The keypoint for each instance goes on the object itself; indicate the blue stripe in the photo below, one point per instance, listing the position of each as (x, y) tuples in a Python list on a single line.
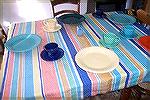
[(129, 64), (117, 79), (128, 74), (6, 68), (69, 70), (135, 53), (40, 74), (141, 27), (20, 29), (29, 87), (15, 76), (146, 52), (83, 75), (28, 28)]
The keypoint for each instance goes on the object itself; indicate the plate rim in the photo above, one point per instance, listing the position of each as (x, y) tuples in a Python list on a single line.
[(83, 66), (19, 51)]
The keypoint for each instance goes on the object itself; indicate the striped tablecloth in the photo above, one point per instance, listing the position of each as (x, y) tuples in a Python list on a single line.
[(27, 76)]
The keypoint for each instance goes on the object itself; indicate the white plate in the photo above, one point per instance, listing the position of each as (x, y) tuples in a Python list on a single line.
[(58, 27), (97, 59)]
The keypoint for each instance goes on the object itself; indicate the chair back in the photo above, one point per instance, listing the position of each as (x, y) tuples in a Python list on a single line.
[(67, 9)]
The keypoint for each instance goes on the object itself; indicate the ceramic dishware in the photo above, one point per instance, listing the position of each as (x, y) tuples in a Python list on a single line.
[(110, 38), (51, 48), (128, 30), (51, 25)]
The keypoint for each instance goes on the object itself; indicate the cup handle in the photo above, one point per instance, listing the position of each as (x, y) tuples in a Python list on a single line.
[(45, 23)]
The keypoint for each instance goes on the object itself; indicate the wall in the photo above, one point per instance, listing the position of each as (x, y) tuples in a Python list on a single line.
[(29, 10)]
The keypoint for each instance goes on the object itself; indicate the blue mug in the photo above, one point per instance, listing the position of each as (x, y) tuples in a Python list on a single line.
[(128, 30), (51, 48)]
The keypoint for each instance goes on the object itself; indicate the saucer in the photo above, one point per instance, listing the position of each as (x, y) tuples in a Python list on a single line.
[(58, 55), (98, 16), (108, 45), (134, 35), (58, 27)]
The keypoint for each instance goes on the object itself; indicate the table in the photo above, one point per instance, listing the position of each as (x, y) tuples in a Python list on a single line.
[(26, 75)]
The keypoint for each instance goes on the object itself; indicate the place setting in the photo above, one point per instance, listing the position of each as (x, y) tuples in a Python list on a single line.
[(109, 40), (52, 52), (51, 25), (123, 19), (145, 42), (128, 32), (97, 59), (99, 13)]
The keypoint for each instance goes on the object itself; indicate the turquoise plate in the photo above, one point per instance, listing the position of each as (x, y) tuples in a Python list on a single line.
[(71, 18), (23, 42), (108, 45), (123, 19)]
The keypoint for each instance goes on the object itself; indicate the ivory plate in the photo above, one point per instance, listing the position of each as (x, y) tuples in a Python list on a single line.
[(97, 59)]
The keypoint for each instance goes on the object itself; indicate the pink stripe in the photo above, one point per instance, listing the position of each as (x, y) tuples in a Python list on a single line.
[(9, 74), (50, 83), (10, 70), (16, 29)]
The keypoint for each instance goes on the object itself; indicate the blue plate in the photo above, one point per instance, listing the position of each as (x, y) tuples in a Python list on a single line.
[(123, 19), (98, 16), (71, 18), (122, 35), (46, 57), (108, 45), (23, 42)]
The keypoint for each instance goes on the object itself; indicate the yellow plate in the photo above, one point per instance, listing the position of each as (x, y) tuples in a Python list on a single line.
[(97, 59)]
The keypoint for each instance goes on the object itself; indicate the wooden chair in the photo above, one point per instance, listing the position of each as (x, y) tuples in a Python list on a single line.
[(56, 3), (3, 38), (143, 16)]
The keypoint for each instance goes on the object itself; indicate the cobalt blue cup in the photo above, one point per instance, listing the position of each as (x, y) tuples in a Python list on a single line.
[(99, 12), (51, 48)]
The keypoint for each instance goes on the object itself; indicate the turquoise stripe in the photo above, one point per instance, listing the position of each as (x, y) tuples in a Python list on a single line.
[(29, 85), (70, 66), (136, 53), (117, 78), (16, 63), (90, 38), (130, 66), (20, 29), (67, 69), (15, 76), (28, 28)]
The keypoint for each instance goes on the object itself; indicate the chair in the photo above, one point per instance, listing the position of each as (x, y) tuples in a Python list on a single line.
[(143, 16), (56, 3), (3, 38)]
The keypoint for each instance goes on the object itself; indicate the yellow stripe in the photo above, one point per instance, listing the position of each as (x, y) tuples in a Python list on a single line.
[(36, 73), (91, 33), (106, 82), (98, 24)]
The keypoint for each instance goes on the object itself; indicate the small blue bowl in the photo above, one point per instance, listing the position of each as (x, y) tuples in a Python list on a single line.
[(51, 48)]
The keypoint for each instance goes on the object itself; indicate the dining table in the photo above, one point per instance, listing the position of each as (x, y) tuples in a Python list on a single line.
[(25, 75)]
